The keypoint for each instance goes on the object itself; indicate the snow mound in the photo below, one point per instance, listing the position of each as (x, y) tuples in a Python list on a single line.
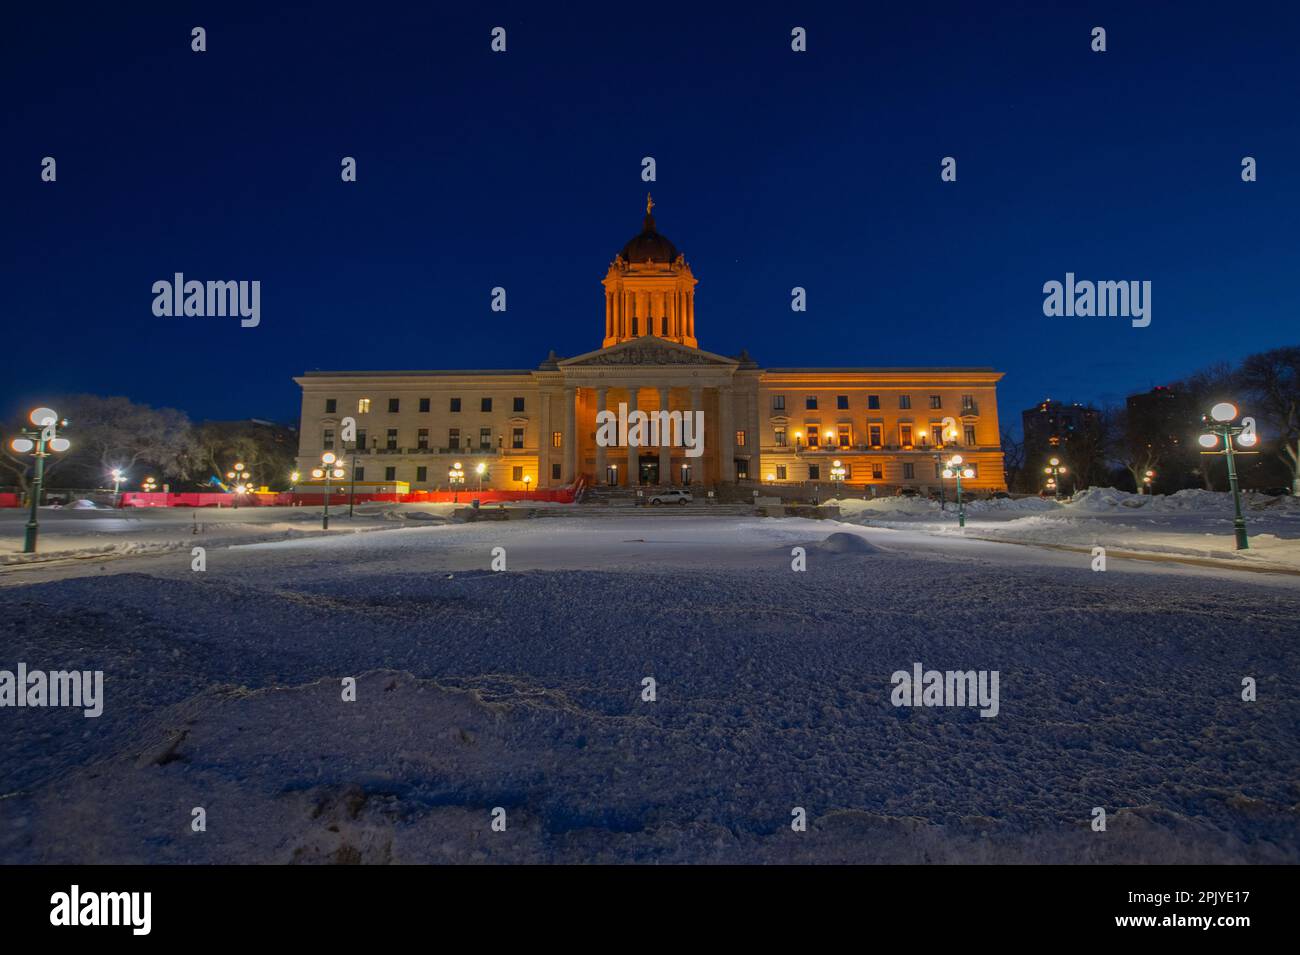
[(842, 542), (1189, 500), (883, 506), (1024, 505)]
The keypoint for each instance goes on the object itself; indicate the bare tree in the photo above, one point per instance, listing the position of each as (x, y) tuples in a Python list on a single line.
[(1270, 381), (1013, 460), (108, 433), (1135, 441)]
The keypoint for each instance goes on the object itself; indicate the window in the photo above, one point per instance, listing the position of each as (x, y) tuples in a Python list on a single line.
[(780, 472), (394, 405), (422, 439), (421, 474), (909, 470), (967, 404), (905, 435), (780, 437), (812, 436), (873, 402), (742, 469), (555, 472), (361, 439), (390, 474), (873, 435), (814, 472), (455, 405), (936, 433), (392, 439), (904, 401), (935, 402), (424, 404), (519, 404), (810, 403), (485, 404), (842, 402), (740, 439), (331, 405), (844, 436), (453, 438), (517, 438), (485, 437), (877, 472), (848, 472), (778, 402), (516, 474), (363, 405), (359, 474), (970, 434), (557, 439), (327, 440)]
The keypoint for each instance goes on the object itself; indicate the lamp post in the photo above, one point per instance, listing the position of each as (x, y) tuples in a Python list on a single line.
[(455, 477), (479, 469), (243, 476), (1146, 481), (329, 469), (528, 480), (837, 475), (148, 485), (39, 444), (117, 477), (956, 469), (1220, 427), (1055, 469), (352, 481)]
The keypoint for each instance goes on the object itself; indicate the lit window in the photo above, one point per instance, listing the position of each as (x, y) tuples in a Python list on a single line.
[(905, 435), (363, 405), (557, 439), (780, 437), (740, 439)]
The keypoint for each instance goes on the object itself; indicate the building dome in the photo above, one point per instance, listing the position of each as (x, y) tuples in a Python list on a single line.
[(649, 246)]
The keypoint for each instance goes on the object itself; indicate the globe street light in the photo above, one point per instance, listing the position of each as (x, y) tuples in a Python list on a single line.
[(528, 480), (1220, 428), (148, 485), (118, 477), (1055, 469), (479, 469), (837, 475), (1147, 479), (956, 469), (244, 477), (329, 469), (39, 444)]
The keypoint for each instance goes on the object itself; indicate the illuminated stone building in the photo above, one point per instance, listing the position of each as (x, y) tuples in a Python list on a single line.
[(885, 428)]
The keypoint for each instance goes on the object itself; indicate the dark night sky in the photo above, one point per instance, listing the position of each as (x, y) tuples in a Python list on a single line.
[(523, 170)]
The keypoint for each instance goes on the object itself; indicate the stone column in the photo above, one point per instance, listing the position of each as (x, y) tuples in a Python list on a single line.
[(633, 454), (543, 438), (600, 448), (697, 464), (665, 442), (609, 313), (570, 434), (727, 435)]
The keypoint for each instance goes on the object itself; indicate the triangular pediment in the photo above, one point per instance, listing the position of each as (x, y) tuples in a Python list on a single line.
[(648, 350)]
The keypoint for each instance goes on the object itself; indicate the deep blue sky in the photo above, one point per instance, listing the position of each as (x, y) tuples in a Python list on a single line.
[(522, 170)]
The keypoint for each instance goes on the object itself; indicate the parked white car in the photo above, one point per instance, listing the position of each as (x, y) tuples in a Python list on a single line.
[(671, 497)]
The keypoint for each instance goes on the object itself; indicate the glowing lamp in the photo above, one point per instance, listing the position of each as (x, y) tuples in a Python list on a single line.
[(1223, 411), (22, 445), (43, 417), (1209, 440)]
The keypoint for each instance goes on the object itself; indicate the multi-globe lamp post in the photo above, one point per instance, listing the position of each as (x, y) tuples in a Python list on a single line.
[(837, 475), (1220, 432), (243, 476), (1054, 470), (480, 469), (955, 468), (1147, 478), (39, 444), (328, 470), (148, 485)]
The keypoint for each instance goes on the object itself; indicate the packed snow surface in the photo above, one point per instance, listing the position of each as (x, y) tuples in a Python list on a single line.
[(525, 689)]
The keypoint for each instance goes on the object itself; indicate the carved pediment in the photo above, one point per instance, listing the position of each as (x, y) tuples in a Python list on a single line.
[(648, 351)]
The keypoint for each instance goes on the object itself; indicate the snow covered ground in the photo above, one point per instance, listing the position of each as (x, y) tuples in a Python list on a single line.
[(1193, 523), (522, 689)]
